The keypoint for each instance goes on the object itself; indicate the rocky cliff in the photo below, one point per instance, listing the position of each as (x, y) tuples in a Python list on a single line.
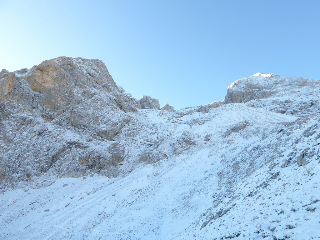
[(63, 118)]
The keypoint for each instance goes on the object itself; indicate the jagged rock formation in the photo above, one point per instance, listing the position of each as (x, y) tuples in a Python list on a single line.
[(59, 117), (243, 168), (147, 102), (206, 108), (167, 107)]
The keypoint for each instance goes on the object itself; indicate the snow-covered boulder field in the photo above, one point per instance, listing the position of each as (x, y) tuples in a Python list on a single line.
[(82, 159)]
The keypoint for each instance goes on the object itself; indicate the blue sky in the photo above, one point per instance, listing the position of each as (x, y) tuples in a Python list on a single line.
[(185, 53)]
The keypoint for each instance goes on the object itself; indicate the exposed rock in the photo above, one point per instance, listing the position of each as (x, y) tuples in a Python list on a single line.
[(306, 154), (151, 157), (238, 127), (246, 89), (184, 143), (207, 138), (117, 152), (7, 83), (261, 86), (167, 107), (94, 161), (147, 102), (65, 81), (3, 71), (59, 100), (206, 108)]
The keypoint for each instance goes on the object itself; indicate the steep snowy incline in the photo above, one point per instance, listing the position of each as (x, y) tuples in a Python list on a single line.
[(82, 159), (237, 183)]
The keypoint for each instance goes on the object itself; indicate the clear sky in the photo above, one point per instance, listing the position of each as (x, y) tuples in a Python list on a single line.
[(185, 53)]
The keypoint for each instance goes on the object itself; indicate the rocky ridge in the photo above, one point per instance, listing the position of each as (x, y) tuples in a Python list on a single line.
[(63, 117)]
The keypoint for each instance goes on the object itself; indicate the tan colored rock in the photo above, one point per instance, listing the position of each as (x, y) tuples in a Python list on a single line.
[(167, 107), (45, 75), (7, 84), (65, 82), (206, 108)]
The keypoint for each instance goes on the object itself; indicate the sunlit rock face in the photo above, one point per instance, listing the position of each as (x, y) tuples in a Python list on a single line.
[(275, 93), (58, 117), (167, 107), (67, 117), (260, 86)]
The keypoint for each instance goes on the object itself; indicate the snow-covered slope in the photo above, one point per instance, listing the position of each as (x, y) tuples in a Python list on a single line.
[(246, 169)]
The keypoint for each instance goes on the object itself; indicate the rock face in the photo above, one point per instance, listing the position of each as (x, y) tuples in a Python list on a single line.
[(167, 107), (206, 108), (67, 117), (185, 142), (147, 102), (267, 90), (250, 88), (58, 117), (261, 86), (7, 83)]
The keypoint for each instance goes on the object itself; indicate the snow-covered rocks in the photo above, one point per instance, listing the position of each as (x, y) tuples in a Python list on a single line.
[(185, 142), (147, 102), (247, 89), (245, 168), (263, 86), (167, 107), (80, 112), (266, 75), (206, 108)]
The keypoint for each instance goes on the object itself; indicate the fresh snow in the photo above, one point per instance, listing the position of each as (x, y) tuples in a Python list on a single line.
[(251, 172)]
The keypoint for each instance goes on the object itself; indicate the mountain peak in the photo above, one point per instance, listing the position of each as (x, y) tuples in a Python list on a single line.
[(266, 75)]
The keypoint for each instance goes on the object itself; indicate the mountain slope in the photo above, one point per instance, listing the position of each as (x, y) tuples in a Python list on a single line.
[(248, 168)]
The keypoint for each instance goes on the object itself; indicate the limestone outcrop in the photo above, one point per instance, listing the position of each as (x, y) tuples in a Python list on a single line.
[(262, 86), (167, 107), (61, 117), (206, 108), (147, 102)]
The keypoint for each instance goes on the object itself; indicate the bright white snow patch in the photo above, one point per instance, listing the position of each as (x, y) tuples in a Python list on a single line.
[(266, 75)]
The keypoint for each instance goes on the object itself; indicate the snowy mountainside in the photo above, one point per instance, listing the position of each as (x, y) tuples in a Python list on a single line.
[(243, 168)]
